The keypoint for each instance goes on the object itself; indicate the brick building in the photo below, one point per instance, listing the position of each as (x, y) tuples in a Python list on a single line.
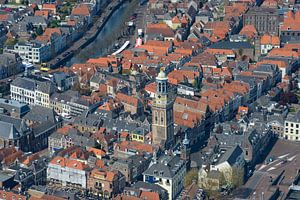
[(263, 19), (106, 183)]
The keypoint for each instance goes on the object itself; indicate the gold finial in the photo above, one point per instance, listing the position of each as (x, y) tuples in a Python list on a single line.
[(162, 69)]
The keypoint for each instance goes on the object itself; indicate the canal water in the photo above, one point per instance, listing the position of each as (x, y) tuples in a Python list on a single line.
[(106, 38)]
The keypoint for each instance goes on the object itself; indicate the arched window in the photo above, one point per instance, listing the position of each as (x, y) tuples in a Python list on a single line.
[(159, 87), (162, 117)]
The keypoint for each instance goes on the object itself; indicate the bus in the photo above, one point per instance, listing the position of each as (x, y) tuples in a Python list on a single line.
[(45, 69)]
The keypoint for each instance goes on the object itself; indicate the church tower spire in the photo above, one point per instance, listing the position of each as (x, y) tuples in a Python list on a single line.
[(186, 150), (162, 113)]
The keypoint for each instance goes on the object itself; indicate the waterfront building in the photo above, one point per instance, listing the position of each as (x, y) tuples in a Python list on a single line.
[(33, 52)]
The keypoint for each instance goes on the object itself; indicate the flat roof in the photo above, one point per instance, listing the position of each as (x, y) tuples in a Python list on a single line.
[(5, 176), (13, 103)]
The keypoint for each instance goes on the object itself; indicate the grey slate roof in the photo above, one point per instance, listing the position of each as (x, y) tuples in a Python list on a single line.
[(22, 173), (12, 128), (96, 78), (34, 83), (45, 87), (19, 124), (231, 45), (25, 83), (7, 59), (124, 123), (149, 186), (231, 155), (43, 127), (294, 117), (247, 79), (132, 161), (35, 20), (166, 167), (90, 120), (37, 2), (5, 176), (65, 96), (9, 105), (77, 138), (230, 140), (264, 9), (8, 131), (40, 114)]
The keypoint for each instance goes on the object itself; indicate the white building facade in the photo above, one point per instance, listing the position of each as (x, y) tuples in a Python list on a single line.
[(169, 173), (33, 52), (292, 127)]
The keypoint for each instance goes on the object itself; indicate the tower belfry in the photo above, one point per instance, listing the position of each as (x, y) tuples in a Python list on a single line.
[(162, 113)]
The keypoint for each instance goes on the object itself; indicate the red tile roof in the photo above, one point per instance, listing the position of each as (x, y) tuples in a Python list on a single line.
[(243, 110), (47, 6), (291, 21), (176, 20), (81, 10), (249, 30), (97, 152), (270, 39), (178, 76), (151, 87), (3, 17), (149, 195), (134, 145), (162, 28), (43, 13), (70, 163), (104, 174), (131, 100), (187, 118)]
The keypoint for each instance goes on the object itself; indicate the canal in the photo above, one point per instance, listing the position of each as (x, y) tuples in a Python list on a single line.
[(107, 37)]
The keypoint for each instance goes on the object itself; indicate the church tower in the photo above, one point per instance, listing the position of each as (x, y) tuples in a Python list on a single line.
[(162, 113), (186, 151)]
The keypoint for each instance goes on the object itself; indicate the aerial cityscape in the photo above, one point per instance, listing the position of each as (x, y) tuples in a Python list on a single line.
[(150, 99)]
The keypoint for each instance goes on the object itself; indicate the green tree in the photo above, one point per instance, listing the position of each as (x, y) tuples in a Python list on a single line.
[(76, 86), (190, 176), (39, 30), (237, 176), (241, 52), (65, 9), (98, 145), (54, 24), (197, 82), (33, 35), (35, 8), (11, 42), (222, 179)]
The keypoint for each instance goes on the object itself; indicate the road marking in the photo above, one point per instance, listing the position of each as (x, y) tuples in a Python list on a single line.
[(271, 168), (263, 166), (292, 158), (283, 156)]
